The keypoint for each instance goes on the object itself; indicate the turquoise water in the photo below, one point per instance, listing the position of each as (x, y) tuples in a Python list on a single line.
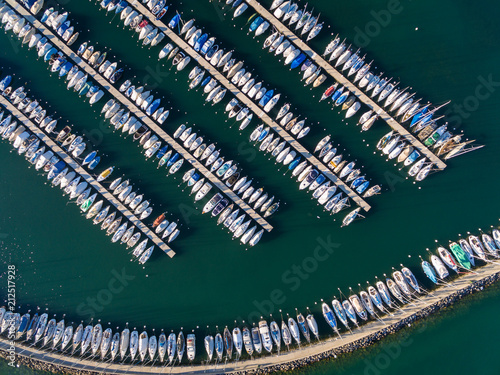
[(64, 262)]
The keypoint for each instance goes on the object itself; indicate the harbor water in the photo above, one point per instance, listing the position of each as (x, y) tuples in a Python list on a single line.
[(445, 51)]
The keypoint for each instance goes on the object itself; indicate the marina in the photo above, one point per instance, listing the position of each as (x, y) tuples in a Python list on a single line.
[(260, 113), (142, 117), (90, 179)]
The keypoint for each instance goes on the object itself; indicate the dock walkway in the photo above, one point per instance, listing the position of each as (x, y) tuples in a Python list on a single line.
[(335, 74), (181, 43), (140, 115), (90, 180)]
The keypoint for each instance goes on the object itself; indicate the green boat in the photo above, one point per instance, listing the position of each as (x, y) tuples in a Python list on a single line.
[(85, 88), (88, 203), (460, 255)]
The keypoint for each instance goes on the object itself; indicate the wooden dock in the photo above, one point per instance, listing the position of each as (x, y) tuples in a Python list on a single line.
[(90, 180), (335, 74), (141, 116), (181, 43)]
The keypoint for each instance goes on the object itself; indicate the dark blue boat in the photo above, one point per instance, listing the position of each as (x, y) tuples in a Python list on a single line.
[(123, 4), (153, 107), (94, 163), (62, 29), (298, 60), (337, 93), (361, 188), (173, 159), (415, 118), (267, 96), (65, 69), (161, 152), (256, 23), (174, 21), (201, 40)]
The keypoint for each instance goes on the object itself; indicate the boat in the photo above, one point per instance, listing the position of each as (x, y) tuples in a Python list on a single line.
[(460, 255), (477, 246), (266, 336), (438, 265), (256, 340), (447, 258), (429, 271)]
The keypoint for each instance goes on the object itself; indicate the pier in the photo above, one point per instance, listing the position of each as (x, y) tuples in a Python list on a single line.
[(335, 74), (140, 115), (90, 180), (259, 112), (361, 337)]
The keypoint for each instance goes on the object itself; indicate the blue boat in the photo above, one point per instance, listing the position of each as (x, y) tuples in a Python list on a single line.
[(337, 93), (5, 82), (342, 98), (123, 4), (256, 23), (236, 3), (161, 13), (105, 3), (415, 118), (130, 90), (298, 60), (361, 188), (65, 68), (194, 178), (429, 271), (62, 29), (173, 159), (358, 181), (329, 317), (263, 135), (306, 65), (46, 15), (294, 163), (49, 53), (199, 43), (85, 89), (358, 65), (94, 163), (413, 156), (268, 95), (56, 169), (153, 107), (206, 80), (320, 179), (91, 156), (92, 91), (60, 64), (161, 152), (174, 21)]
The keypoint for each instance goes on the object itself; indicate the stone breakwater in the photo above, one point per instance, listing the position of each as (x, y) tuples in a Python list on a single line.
[(364, 342), (379, 335)]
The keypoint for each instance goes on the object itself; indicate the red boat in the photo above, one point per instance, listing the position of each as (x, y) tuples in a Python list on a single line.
[(329, 91)]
